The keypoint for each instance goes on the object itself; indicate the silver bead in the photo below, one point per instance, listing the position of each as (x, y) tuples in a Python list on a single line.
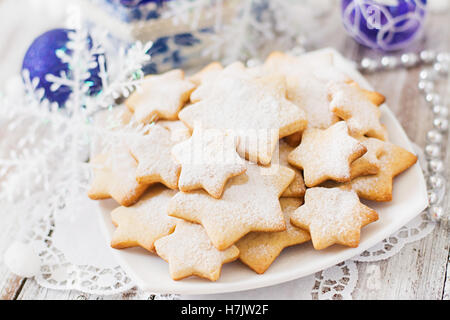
[(409, 59), (434, 136), (427, 74), (432, 197), (440, 111), (389, 62), (441, 68), (436, 181), (433, 98), (433, 150), (436, 213), (440, 124), (436, 165), (368, 64), (425, 86), (443, 57), (427, 56)]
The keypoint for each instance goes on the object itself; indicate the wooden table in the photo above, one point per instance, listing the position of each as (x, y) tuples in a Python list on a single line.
[(420, 271)]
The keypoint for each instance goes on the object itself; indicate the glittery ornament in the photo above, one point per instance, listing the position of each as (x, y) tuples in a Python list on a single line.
[(385, 25), (41, 59)]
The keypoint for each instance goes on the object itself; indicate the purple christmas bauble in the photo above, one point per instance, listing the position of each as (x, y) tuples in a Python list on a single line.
[(385, 25), (40, 60)]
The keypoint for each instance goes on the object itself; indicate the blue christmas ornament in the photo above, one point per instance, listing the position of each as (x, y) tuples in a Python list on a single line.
[(40, 60), (384, 24)]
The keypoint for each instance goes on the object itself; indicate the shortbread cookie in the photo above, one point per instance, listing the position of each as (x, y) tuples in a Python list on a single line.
[(375, 97), (211, 74), (393, 161), (370, 162), (294, 139), (208, 159), (144, 222), (255, 109), (154, 157), (297, 187), (326, 154), (362, 116), (161, 96), (206, 73), (189, 252), (259, 250), (305, 87), (115, 177), (333, 215), (249, 203), (178, 130)]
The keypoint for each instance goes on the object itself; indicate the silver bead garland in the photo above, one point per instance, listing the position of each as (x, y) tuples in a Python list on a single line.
[(436, 66)]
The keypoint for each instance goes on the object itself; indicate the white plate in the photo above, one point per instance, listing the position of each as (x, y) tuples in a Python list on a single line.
[(409, 199)]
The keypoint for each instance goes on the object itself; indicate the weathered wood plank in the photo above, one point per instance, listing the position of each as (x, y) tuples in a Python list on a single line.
[(33, 291)]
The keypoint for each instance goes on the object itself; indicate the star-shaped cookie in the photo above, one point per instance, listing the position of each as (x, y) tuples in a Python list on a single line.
[(254, 108), (297, 188), (370, 162), (307, 77), (259, 250), (249, 203), (161, 96), (206, 73), (326, 154), (208, 159), (144, 222), (349, 103), (378, 187), (115, 177), (375, 97), (333, 215), (155, 161), (206, 78), (178, 130), (189, 251)]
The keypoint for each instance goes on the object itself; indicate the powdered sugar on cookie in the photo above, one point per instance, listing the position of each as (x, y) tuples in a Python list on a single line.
[(208, 159), (333, 215), (326, 154), (144, 222), (190, 252), (256, 110), (115, 177), (249, 203), (258, 250), (154, 157), (161, 96), (351, 104)]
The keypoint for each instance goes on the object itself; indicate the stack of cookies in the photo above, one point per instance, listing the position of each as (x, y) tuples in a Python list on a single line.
[(242, 162)]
